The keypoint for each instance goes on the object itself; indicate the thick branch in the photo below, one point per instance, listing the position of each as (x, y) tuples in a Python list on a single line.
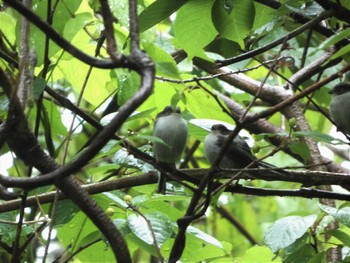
[(194, 175)]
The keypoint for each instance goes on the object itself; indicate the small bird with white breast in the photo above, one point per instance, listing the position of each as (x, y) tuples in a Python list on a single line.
[(172, 129), (339, 107), (238, 154)]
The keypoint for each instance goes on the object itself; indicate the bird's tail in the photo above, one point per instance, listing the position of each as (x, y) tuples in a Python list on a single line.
[(162, 181), (273, 168)]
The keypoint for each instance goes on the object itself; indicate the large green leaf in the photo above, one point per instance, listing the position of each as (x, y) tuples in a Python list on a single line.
[(287, 230), (165, 64), (158, 11), (237, 24), (197, 100), (97, 88), (194, 28), (162, 228), (77, 232), (263, 15)]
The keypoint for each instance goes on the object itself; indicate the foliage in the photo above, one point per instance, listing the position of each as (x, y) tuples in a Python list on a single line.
[(191, 43)]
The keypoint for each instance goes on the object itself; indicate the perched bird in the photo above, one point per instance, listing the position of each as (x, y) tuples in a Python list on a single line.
[(339, 107), (172, 129), (238, 154)]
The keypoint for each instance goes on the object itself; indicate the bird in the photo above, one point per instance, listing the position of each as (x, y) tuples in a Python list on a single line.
[(238, 154), (340, 106), (172, 129)]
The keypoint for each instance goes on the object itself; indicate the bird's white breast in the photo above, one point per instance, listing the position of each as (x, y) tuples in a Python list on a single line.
[(172, 129), (340, 111)]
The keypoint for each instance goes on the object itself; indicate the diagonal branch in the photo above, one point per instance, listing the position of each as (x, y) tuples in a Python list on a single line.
[(277, 42)]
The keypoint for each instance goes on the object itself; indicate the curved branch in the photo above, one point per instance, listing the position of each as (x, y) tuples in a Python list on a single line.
[(65, 181), (66, 45), (306, 72)]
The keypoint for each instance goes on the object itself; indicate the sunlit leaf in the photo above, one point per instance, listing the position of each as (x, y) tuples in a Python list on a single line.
[(287, 230), (342, 215), (259, 254), (194, 28), (158, 11)]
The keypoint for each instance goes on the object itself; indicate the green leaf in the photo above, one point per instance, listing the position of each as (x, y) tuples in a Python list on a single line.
[(193, 27), (141, 115), (202, 253), (96, 90), (345, 3), (341, 236), (287, 230), (55, 119), (341, 52), (4, 105), (165, 63), (90, 238), (161, 227), (197, 132), (38, 87), (161, 97), (318, 136), (301, 149), (122, 226), (320, 257), (128, 83), (8, 25), (203, 236), (63, 13), (158, 11), (341, 215), (237, 24), (123, 158), (263, 15), (197, 99), (157, 204), (74, 25), (7, 231), (259, 254), (303, 255), (120, 10), (64, 212), (335, 38)]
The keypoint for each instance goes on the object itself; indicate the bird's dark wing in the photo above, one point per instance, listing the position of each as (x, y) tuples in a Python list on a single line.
[(239, 151)]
